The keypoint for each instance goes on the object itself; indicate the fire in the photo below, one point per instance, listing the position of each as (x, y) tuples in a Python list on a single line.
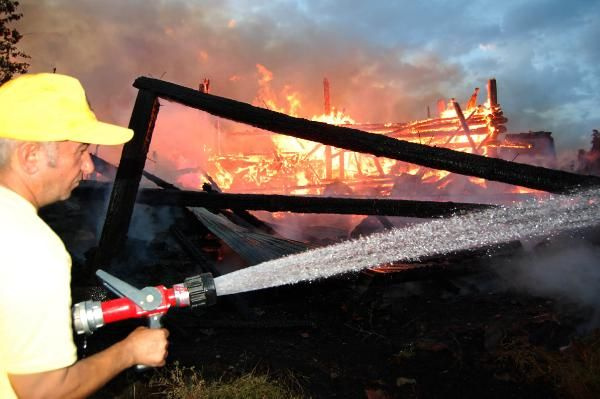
[(334, 118), (296, 166)]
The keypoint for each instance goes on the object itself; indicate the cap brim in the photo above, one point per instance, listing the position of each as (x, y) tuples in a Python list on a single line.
[(101, 133)]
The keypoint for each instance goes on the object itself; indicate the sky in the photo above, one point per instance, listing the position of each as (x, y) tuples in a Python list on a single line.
[(386, 61)]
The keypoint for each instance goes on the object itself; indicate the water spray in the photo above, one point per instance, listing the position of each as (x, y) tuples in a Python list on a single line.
[(524, 220), (521, 221)]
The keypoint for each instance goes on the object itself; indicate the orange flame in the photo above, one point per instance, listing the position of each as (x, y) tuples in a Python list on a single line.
[(300, 166)]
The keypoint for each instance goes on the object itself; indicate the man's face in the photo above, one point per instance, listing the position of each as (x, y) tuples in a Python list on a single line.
[(66, 165)]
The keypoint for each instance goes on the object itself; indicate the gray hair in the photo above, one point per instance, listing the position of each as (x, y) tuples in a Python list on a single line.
[(7, 147), (51, 148)]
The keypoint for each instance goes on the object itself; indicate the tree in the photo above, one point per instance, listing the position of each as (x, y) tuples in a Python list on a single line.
[(595, 141), (11, 59)]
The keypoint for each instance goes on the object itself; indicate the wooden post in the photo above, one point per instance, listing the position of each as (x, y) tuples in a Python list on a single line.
[(492, 94), (127, 180), (328, 149), (328, 162), (327, 99), (342, 167), (494, 108)]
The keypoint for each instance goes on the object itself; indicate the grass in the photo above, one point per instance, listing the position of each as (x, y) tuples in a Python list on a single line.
[(574, 372), (177, 382)]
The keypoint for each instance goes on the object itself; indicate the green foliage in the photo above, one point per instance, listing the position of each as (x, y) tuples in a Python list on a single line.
[(10, 56)]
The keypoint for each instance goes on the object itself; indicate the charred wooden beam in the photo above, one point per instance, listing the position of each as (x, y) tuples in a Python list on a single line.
[(89, 191), (127, 180), (106, 169), (355, 140), (278, 203), (293, 203), (109, 170)]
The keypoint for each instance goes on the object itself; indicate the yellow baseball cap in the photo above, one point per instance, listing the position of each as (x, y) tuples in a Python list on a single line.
[(53, 107)]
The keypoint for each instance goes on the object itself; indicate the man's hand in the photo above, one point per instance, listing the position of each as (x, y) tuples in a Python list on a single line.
[(148, 346), (143, 346)]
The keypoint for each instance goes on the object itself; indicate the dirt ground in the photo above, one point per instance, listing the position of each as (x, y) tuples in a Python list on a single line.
[(366, 335)]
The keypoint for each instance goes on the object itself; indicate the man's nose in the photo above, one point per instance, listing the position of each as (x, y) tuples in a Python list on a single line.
[(87, 165)]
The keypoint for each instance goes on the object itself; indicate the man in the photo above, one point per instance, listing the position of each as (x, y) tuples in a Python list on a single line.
[(46, 126)]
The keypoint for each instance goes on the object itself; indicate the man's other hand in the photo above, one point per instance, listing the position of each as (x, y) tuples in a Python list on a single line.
[(148, 346)]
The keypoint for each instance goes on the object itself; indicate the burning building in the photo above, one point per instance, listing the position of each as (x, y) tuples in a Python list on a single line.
[(291, 165), (350, 161)]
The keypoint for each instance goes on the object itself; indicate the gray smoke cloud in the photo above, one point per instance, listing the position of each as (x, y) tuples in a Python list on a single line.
[(386, 61), (566, 269)]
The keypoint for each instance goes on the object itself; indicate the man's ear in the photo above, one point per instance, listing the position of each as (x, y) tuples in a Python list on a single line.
[(29, 156)]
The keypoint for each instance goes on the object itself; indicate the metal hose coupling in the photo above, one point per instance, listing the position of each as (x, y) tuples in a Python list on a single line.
[(202, 291), (87, 317)]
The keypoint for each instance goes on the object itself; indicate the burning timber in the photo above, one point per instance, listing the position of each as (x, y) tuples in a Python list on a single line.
[(146, 110), (534, 177), (170, 195), (289, 203)]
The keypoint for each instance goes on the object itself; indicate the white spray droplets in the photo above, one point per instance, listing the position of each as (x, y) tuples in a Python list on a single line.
[(523, 220)]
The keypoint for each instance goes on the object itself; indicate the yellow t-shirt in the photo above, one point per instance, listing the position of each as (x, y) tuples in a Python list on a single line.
[(35, 295)]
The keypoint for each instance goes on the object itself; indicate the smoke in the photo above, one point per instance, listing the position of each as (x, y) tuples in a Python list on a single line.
[(108, 44), (385, 61), (566, 269)]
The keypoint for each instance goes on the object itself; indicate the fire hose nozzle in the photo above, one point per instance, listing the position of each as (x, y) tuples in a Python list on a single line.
[(201, 289), (150, 302)]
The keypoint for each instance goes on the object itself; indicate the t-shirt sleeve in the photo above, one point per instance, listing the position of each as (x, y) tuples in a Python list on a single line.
[(36, 333)]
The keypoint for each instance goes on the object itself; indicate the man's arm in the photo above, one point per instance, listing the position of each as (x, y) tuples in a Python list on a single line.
[(142, 346)]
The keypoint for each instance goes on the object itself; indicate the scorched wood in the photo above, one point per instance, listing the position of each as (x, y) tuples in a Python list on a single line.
[(127, 180), (301, 204)]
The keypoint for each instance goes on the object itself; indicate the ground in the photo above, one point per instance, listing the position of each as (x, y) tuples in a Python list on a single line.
[(366, 335)]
